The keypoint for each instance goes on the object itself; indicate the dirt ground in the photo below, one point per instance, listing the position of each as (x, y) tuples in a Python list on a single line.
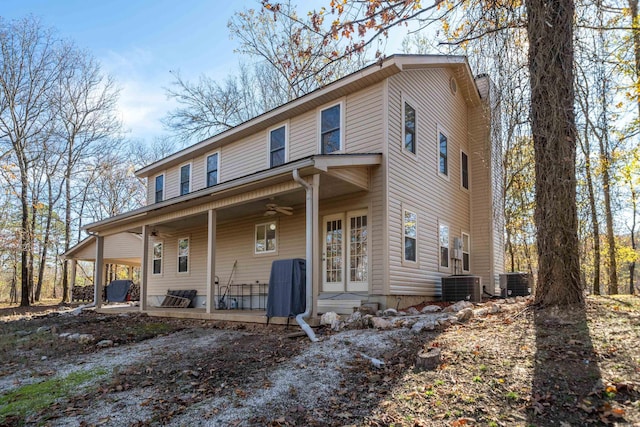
[(517, 367)]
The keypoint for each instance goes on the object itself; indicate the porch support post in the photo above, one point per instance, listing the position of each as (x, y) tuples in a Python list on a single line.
[(144, 267), (98, 272), (211, 260), (317, 260)]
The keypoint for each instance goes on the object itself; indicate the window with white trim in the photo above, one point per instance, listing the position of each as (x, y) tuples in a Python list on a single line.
[(265, 238), (212, 169), (330, 132), (444, 245), (464, 170), (157, 258), (409, 128), (466, 249), (277, 146), (443, 156), (409, 235), (183, 255), (159, 189), (185, 179)]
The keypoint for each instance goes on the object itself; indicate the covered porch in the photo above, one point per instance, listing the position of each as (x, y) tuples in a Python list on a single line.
[(221, 241)]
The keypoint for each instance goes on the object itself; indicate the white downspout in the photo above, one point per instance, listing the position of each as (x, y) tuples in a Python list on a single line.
[(309, 261)]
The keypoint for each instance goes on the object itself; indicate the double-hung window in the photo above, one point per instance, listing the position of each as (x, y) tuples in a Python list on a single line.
[(443, 157), (212, 169), (157, 258), (444, 245), (265, 238), (410, 235), (185, 179), (159, 188), (183, 255), (464, 170), (466, 248), (409, 129), (277, 146), (330, 135)]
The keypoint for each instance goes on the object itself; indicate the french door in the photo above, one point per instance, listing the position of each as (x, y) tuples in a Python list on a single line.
[(345, 255)]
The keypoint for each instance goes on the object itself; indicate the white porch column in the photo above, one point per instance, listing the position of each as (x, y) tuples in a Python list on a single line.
[(317, 252), (211, 260), (144, 267), (98, 272)]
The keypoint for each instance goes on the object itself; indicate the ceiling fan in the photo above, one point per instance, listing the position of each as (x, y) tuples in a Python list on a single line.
[(273, 209)]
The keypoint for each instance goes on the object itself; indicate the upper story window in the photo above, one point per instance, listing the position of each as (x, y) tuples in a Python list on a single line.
[(410, 235), (265, 238), (157, 258), (212, 169), (185, 179), (330, 135), (159, 188), (444, 245), (277, 146), (443, 157), (464, 170), (183, 255), (409, 128)]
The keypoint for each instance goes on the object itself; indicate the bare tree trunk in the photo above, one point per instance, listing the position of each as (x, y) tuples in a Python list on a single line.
[(550, 31), (25, 244), (595, 228)]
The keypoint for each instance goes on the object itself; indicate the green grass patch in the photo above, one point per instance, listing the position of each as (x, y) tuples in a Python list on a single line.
[(33, 398)]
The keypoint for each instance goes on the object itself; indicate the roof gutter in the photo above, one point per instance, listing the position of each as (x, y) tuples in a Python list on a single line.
[(309, 255)]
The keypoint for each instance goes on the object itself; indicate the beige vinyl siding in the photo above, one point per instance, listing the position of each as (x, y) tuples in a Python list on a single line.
[(243, 157), (414, 182), (303, 137), (363, 118), (363, 134), (116, 246), (234, 241), (198, 173), (482, 244)]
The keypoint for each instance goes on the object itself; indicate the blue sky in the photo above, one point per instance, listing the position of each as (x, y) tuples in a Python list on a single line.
[(139, 41)]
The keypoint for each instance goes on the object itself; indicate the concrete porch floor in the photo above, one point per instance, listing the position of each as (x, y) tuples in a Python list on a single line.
[(243, 316)]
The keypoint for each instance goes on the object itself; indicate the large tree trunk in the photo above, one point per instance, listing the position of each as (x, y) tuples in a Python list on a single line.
[(25, 244), (66, 292), (550, 31), (595, 227)]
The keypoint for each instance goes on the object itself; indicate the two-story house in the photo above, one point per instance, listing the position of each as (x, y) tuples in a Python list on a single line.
[(385, 181)]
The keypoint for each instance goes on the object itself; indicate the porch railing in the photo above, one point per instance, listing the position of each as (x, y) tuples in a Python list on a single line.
[(244, 296)]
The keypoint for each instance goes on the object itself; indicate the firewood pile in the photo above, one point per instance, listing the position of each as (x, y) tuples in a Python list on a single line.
[(82, 293), (85, 293)]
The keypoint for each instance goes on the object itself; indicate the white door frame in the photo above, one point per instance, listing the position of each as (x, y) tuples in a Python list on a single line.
[(356, 286), (337, 285), (344, 254)]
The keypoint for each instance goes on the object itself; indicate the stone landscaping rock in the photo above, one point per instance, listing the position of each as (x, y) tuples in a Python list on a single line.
[(104, 343), (480, 312), (85, 338), (423, 325), (390, 312), (332, 319), (458, 306), (464, 315), (42, 329), (381, 323), (64, 334), (22, 333), (494, 308), (430, 309), (412, 311), (74, 337)]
